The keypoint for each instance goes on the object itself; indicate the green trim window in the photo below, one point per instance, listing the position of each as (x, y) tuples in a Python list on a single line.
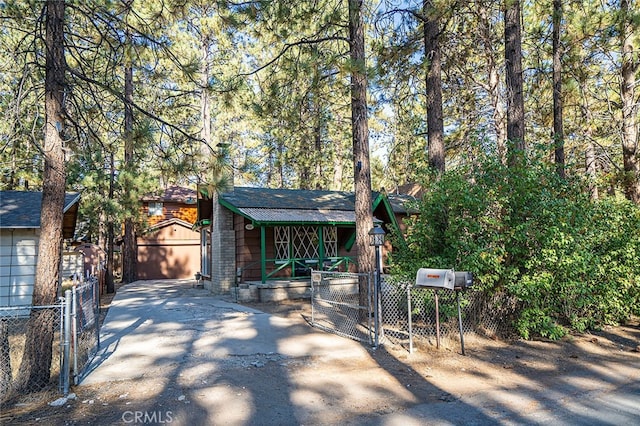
[(330, 238), (302, 242), (281, 236)]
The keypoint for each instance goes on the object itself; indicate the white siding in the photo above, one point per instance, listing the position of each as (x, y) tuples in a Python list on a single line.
[(18, 257), (72, 264)]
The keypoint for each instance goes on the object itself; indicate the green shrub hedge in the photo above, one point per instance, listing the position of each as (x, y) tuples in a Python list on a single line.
[(572, 263)]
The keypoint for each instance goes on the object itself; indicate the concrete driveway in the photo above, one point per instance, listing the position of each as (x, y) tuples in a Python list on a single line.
[(175, 354), (154, 326)]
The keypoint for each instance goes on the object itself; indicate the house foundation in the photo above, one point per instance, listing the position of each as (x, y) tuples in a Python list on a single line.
[(272, 291)]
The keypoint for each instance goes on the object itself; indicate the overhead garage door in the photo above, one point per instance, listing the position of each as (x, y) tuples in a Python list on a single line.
[(162, 261)]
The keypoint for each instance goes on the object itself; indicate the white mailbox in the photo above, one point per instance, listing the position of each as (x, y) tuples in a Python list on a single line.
[(436, 278)]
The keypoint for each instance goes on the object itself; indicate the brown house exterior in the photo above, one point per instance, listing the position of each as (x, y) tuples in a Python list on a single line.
[(169, 247), (259, 234)]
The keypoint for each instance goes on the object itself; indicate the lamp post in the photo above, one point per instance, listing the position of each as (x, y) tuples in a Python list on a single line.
[(376, 239)]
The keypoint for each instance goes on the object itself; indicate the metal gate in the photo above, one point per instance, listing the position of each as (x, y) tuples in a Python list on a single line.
[(338, 306), (74, 324)]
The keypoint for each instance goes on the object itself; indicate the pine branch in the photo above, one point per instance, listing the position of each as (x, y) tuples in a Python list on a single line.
[(147, 113), (289, 46)]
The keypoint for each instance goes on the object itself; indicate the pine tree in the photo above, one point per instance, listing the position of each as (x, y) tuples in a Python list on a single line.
[(35, 367)]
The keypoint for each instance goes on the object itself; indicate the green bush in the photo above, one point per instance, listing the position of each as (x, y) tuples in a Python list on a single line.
[(572, 263)]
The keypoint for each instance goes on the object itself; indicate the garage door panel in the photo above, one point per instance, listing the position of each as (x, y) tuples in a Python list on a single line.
[(168, 261)]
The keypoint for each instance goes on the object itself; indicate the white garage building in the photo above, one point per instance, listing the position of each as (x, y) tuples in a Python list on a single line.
[(19, 238)]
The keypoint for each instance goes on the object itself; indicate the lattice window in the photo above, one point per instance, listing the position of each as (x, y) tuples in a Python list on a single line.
[(330, 236), (305, 242), (281, 235)]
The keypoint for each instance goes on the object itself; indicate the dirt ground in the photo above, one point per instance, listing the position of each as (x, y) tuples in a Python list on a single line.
[(583, 363)]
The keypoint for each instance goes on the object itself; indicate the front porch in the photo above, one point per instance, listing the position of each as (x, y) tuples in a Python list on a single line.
[(272, 290), (294, 268), (289, 289)]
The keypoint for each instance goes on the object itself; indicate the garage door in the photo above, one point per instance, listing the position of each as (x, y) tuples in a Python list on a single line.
[(168, 261)]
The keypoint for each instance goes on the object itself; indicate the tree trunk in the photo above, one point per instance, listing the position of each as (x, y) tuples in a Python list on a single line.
[(5, 361), (205, 109), (558, 130), (497, 101), (587, 125), (629, 67), (433, 60), (360, 138), (129, 255), (35, 368), (515, 95), (317, 137), (338, 169), (591, 170), (108, 275)]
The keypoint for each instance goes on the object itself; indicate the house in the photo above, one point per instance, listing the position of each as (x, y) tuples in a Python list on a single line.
[(272, 235), (19, 238), (168, 247)]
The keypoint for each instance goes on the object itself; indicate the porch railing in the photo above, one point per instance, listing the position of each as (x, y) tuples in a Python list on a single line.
[(301, 267)]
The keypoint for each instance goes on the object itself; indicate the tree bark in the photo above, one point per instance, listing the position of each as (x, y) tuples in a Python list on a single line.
[(493, 88), (129, 255), (631, 163), (515, 95), (205, 107), (337, 171), (591, 170), (35, 367), (5, 361), (360, 139), (109, 276), (558, 130), (317, 138), (433, 60)]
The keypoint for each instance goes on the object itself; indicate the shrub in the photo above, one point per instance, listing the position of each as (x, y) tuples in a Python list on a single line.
[(571, 263)]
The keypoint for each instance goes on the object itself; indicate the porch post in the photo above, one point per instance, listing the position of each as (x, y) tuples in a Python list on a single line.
[(321, 247), (263, 253)]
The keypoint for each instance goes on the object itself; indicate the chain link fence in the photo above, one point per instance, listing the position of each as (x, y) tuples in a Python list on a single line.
[(337, 305), (85, 325), (42, 347), (21, 368), (487, 315)]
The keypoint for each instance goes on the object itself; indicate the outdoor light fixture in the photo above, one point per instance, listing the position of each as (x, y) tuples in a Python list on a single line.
[(376, 236)]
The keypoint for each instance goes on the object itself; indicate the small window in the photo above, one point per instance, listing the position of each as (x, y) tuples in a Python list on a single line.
[(155, 209)]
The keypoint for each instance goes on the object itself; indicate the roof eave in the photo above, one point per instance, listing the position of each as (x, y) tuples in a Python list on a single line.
[(299, 223), (73, 201)]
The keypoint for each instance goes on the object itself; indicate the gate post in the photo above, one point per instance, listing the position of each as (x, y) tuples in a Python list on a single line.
[(67, 342), (74, 331)]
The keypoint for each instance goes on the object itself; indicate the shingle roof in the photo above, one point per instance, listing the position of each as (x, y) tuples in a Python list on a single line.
[(173, 193), (21, 209), (402, 203), (298, 205), (267, 198), (299, 215)]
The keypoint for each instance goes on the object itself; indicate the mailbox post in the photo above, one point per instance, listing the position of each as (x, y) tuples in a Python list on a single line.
[(376, 239), (439, 279)]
